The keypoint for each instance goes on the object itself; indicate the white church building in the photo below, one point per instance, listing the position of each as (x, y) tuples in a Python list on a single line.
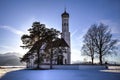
[(65, 58)]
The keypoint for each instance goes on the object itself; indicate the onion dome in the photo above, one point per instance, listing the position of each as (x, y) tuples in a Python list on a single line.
[(65, 14)]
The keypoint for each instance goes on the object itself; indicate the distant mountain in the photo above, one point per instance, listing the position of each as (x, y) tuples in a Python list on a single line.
[(10, 59)]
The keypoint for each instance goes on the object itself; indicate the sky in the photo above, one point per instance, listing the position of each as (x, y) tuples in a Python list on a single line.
[(17, 16)]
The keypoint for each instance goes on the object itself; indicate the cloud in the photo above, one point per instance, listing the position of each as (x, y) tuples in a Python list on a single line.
[(76, 55), (76, 44), (13, 30), (74, 32), (17, 49), (118, 43), (5, 47)]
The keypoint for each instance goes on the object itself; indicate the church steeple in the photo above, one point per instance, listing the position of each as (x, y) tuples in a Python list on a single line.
[(66, 33), (65, 21), (65, 14)]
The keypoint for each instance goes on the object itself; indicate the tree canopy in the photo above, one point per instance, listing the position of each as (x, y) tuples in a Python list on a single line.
[(41, 36)]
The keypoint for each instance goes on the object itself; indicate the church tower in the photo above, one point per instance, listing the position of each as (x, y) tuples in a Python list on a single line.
[(66, 34)]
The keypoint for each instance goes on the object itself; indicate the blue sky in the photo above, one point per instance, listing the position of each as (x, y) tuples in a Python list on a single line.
[(16, 16)]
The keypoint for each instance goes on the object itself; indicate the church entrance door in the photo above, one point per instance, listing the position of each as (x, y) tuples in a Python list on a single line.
[(60, 60)]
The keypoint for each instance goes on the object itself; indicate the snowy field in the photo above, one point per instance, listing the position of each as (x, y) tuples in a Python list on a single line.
[(62, 74), (6, 69)]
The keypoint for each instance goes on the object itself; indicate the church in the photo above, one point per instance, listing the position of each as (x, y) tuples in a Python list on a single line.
[(65, 58)]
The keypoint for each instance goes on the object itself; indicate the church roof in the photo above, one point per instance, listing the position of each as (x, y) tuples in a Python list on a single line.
[(60, 42)]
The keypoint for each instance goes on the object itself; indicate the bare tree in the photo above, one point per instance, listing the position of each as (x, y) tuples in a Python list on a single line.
[(100, 40), (88, 48), (104, 43)]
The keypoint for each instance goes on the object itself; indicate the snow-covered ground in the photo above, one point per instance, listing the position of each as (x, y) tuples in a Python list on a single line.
[(80, 74), (5, 69)]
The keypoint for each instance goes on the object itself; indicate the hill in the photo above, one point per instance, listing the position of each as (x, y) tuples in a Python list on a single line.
[(10, 59)]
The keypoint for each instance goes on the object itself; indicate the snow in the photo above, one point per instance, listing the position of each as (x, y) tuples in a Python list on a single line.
[(114, 67), (60, 74)]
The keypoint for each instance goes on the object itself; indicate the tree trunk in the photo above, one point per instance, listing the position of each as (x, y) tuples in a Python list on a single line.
[(92, 60), (51, 59), (100, 58), (38, 60)]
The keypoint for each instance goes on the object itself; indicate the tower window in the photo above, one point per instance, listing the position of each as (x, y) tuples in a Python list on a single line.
[(65, 24)]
